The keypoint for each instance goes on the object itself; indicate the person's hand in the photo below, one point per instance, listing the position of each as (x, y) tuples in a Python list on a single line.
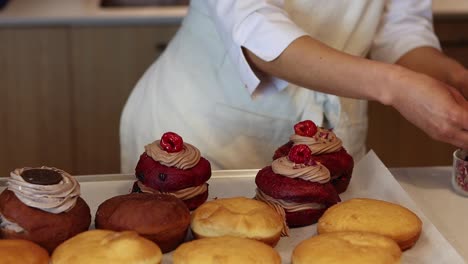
[(438, 109), (459, 80), (436, 64)]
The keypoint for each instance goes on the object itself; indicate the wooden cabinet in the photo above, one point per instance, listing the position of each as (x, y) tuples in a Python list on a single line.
[(107, 63), (62, 91), (453, 35), (35, 99)]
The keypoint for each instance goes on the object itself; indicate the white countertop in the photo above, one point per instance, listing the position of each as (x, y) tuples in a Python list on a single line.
[(88, 12), (431, 190), (85, 12)]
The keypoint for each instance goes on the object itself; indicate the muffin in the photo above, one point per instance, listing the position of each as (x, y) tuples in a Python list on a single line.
[(376, 216), (347, 248), (161, 218), (327, 149), (237, 216), (226, 250), (175, 167), (22, 251), (298, 188), (105, 246), (42, 205)]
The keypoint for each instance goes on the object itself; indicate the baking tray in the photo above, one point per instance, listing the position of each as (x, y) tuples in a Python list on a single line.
[(371, 179)]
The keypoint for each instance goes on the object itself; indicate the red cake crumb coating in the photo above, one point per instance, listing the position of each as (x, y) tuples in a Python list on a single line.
[(168, 179), (295, 190), (339, 163), (298, 191), (173, 167), (296, 185), (304, 218)]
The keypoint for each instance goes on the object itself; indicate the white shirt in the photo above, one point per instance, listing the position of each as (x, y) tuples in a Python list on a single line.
[(264, 28), (203, 88)]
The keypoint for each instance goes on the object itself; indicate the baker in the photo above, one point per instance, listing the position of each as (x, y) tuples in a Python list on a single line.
[(240, 73)]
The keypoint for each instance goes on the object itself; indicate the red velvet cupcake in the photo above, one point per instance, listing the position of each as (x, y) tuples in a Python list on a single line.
[(174, 167), (297, 187), (327, 149)]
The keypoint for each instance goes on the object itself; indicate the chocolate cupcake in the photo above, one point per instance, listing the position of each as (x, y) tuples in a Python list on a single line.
[(297, 187), (42, 205), (161, 218), (327, 149), (172, 166)]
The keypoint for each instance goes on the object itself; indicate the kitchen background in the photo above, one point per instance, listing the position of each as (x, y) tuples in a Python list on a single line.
[(68, 66)]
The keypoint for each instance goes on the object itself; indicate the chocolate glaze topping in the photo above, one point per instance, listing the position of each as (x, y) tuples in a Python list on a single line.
[(41, 176)]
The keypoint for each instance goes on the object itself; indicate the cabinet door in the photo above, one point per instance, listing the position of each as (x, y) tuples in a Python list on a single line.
[(453, 35), (35, 106), (107, 62)]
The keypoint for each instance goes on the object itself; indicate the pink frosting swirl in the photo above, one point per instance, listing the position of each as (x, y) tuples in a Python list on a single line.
[(324, 141), (183, 194), (315, 173), (281, 207), (187, 158)]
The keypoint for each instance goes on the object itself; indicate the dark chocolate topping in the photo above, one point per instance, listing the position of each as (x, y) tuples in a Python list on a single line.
[(41, 176)]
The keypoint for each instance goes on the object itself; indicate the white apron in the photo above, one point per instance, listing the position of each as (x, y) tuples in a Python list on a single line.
[(193, 89)]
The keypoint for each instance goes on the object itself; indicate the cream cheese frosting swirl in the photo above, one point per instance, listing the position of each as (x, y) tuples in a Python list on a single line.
[(282, 206), (286, 168), (183, 194), (56, 198), (315, 173), (187, 158), (324, 141)]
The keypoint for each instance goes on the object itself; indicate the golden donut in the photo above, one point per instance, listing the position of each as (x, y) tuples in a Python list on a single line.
[(238, 216), (376, 216)]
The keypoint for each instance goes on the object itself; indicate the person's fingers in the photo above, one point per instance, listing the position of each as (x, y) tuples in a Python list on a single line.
[(458, 96), (458, 116), (456, 137), (446, 124), (438, 109), (460, 81), (451, 126)]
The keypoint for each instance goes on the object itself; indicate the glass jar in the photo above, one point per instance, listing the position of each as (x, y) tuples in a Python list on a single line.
[(460, 171)]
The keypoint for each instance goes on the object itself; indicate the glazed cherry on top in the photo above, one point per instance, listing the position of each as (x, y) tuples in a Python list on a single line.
[(300, 154), (306, 128), (171, 142)]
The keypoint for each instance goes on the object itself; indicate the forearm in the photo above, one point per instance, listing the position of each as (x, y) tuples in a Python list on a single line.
[(311, 64), (434, 63), (429, 104)]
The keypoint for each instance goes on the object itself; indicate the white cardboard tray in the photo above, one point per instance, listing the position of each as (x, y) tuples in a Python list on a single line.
[(371, 179)]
